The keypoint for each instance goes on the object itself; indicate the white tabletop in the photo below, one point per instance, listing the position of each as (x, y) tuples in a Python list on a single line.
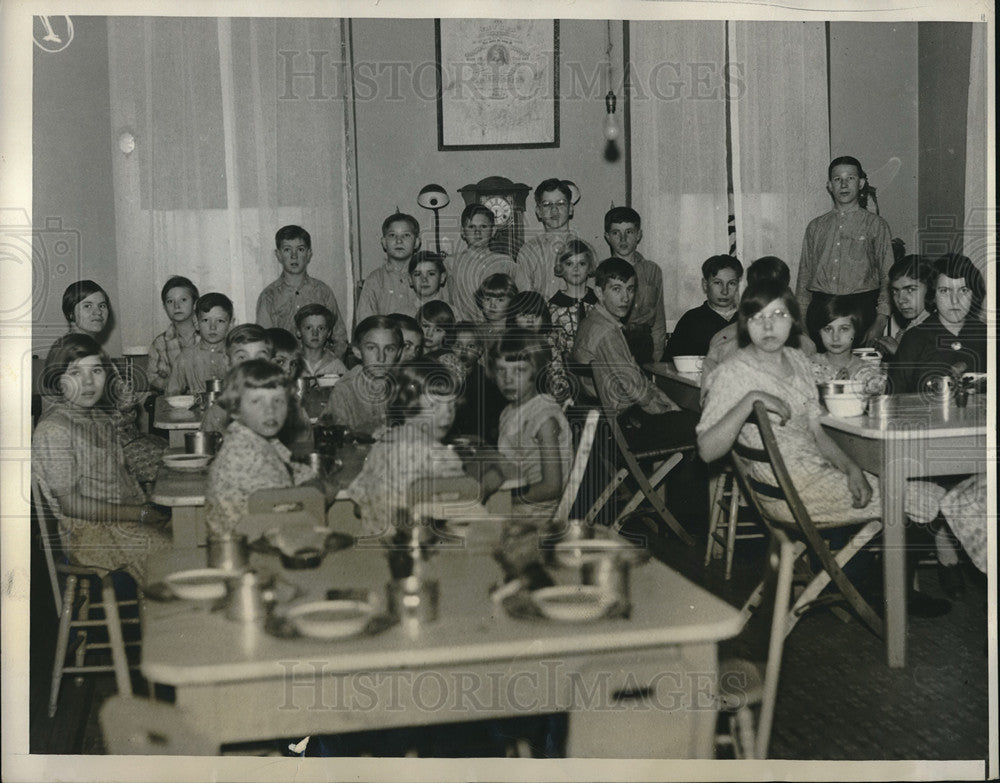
[(913, 416)]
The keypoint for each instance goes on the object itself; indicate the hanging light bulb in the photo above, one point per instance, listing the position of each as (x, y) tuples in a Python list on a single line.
[(611, 129)]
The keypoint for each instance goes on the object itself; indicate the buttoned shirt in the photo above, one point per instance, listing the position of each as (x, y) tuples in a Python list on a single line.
[(195, 366), (536, 263), (280, 301), (387, 290)]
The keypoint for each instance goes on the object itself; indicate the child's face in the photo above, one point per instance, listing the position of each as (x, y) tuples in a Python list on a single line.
[(617, 297), (769, 328), (434, 335), (399, 241), (178, 304), (623, 239), (953, 299), (494, 307), (722, 288), (263, 410), (213, 325), (467, 348), (91, 314), (286, 361), (314, 331), (293, 255), (378, 351), (516, 380), (413, 345), (576, 269), (240, 353), (909, 296), (845, 184), (426, 279), (838, 336), (439, 413), (478, 231), (553, 210), (83, 382), (530, 321)]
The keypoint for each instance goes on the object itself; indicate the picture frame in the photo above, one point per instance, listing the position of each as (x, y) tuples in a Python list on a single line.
[(497, 83)]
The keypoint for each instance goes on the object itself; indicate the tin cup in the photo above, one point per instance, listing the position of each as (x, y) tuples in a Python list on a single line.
[(610, 573), (878, 406), (204, 443), (228, 551), (214, 385)]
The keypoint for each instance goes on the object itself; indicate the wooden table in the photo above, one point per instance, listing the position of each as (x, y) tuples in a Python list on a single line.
[(684, 388), (175, 422), (913, 439), (637, 687)]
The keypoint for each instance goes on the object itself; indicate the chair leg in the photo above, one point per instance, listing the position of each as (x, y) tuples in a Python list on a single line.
[(118, 657), (62, 642), (734, 510), (647, 492), (83, 614), (714, 497)]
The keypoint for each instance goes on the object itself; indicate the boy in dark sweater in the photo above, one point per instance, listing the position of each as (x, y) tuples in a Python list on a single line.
[(720, 280)]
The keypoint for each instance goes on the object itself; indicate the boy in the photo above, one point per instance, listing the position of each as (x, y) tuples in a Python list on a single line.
[(910, 279), (294, 288), (435, 319), (206, 359), (178, 296), (428, 277), (720, 280), (413, 337), (536, 260), (313, 325), (646, 328), (846, 252), (360, 397), (388, 289), (244, 342), (473, 264)]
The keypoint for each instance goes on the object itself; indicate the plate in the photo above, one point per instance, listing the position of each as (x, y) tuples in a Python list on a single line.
[(573, 603), (180, 401), (199, 584), (331, 619), (186, 461)]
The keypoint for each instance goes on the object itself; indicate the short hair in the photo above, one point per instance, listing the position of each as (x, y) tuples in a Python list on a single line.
[(613, 269), (76, 293), (436, 312), (550, 184), (315, 308), (528, 303), (575, 247), (244, 334), (760, 295), (838, 307), (915, 266), (405, 322), (401, 217), (291, 233), (282, 340), (621, 215), (955, 265), (66, 350), (410, 381), (497, 284), (429, 256), (178, 282), (716, 264), (373, 322), (769, 268), (207, 301), (251, 374), (477, 209), (845, 160), (523, 345)]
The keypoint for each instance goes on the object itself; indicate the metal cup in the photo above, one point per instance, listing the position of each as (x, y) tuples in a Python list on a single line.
[(195, 442), (248, 601), (610, 573), (213, 385), (228, 551)]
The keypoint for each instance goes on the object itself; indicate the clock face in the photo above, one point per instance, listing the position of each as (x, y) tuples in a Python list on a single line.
[(500, 207)]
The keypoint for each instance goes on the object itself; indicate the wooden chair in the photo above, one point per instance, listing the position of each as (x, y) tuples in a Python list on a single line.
[(724, 525), (71, 591), (132, 726)]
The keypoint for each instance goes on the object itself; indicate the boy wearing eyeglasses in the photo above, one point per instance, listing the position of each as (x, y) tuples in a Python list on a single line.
[(538, 257)]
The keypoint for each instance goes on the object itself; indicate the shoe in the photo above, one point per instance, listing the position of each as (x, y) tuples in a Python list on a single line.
[(951, 580), (925, 606)]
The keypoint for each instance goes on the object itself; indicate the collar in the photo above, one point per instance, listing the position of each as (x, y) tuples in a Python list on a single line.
[(286, 284), (727, 314), (604, 313)]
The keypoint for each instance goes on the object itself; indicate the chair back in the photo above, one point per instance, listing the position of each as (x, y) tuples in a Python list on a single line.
[(48, 535), (579, 468)]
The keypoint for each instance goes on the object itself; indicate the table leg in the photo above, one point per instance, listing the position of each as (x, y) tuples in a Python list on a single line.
[(188, 524), (893, 488)]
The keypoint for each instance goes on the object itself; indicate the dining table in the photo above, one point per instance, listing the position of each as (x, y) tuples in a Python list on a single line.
[(684, 388), (637, 684), (904, 437), (176, 421)]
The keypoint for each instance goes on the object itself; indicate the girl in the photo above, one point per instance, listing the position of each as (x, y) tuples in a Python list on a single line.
[(529, 311), (87, 310), (105, 519), (435, 319), (256, 396), (493, 298), (410, 460), (840, 331), (569, 306)]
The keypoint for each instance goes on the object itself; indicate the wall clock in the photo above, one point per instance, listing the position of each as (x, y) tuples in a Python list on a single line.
[(506, 200)]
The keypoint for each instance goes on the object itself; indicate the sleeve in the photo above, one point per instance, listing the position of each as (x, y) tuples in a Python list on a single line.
[(910, 360), (528, 261), (659, 316), (368, 301), (619, 378), (158, 363), (680, 343), (885, 258), (807, 268), (338, 404), (53, 460), (263, 315), (724, 388), (338, 337), (178, 376)]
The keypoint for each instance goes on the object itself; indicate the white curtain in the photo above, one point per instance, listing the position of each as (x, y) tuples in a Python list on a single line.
[(781, 137), (980, 222), (679, 151), (237, 132)]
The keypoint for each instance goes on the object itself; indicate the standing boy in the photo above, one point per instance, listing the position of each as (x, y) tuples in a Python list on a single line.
[(536, 260), (294, 288), (720, 280), (388, 289), (847, 252), (646, 328), (178, 296), (473, 264)]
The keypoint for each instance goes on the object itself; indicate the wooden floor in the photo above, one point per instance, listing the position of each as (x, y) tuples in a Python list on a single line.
[(837, 698)]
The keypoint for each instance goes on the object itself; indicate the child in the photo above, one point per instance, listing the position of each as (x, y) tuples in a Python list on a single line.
[(435, 319), (413, 336), (493, 298), (251, 458), (428, 277), (847, 252), (569, 306), (207, 358), (360, 397), (388, 289), (646, 327), (529, 311), (536, 260), (910, 279), (178, 296), (474, 263), (297, 433), (720, 280), (287, 353), (409, 462), (839, 333), (480, 402), (313, 325), (244, 342), (294, 288)]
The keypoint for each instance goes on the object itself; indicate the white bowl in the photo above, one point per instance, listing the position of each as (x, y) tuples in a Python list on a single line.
[(331, 619), (199, 584), (573, 603), (845, 406), (690, 364), (135, 350), (186, 461), (573, 554), (326, 381), (180, 401)]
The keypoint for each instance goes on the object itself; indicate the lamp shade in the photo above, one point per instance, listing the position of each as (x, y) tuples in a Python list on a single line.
[(433, 197)]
